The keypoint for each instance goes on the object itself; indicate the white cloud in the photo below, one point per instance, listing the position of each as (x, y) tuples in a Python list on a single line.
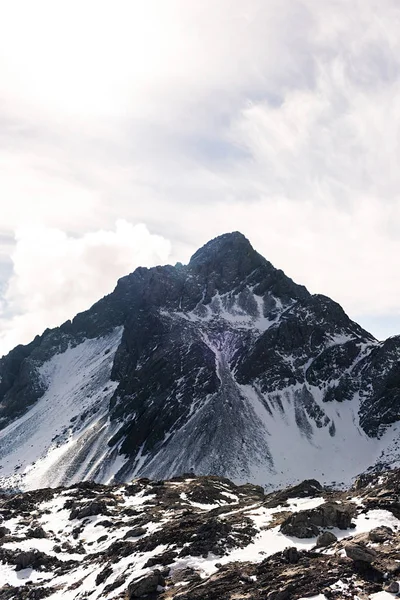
[(56, 275), (279, 118)]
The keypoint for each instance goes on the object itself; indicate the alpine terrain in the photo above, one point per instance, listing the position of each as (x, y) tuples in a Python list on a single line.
[(202, 538), (221, 367)]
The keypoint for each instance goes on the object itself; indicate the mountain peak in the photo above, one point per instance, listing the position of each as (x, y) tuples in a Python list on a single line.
[(222, 245), (207, 368), (227, 259)]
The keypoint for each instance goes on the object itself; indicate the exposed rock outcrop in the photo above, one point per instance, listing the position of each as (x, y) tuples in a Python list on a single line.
[(308, 523)]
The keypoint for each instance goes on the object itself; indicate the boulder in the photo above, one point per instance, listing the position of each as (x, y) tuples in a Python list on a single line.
[(307, 523), (392, 588), (4, 531), (309, 488), (36, 532), (380, 534), (283, 594), (326, 539), (185, 574), (291, 554), (89, 509), (103, 575), (360, 553), (164, 559), (136, 532), (148, 584), (31, 558), (23, 560), (393, 568)]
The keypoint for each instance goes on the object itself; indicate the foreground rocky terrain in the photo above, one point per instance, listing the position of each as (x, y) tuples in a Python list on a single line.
[(202, 538), (223, 366)]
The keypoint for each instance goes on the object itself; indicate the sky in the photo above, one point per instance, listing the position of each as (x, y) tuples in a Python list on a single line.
[(133, 131)]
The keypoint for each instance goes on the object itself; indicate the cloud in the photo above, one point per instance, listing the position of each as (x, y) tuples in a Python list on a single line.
[(56, 276), (279, 118)]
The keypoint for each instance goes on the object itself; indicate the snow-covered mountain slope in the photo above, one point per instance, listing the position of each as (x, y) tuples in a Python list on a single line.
[(224, 366), (201, 538), (63, 437)]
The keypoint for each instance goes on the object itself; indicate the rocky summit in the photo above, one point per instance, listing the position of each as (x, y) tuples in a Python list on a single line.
[(202, 538), (221, 367)]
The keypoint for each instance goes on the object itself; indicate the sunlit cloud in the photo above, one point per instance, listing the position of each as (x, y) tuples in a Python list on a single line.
[(277, 118), (56, 276)]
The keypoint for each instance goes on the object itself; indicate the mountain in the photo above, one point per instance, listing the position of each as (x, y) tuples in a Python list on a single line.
[(202, 538), (224, 366)]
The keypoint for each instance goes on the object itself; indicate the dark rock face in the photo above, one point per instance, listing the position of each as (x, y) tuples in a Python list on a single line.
[(212, 355), (382, 407), (20, 384)]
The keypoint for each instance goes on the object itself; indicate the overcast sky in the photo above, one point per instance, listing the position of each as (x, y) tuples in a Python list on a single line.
[(133, 131)]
